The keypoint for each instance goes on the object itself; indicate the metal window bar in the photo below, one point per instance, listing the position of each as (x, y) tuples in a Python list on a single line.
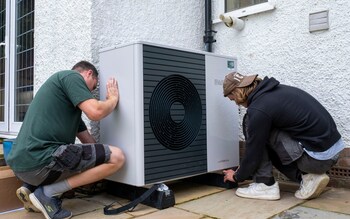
[(24, 54), (2, 59)]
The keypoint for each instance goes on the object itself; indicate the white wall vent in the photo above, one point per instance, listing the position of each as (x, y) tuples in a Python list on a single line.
[(318, 21)]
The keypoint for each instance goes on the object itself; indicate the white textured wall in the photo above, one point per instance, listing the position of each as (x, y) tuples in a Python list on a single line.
[(62, 37), (69, 31), (173, 22), (275, 43), (278, 43)]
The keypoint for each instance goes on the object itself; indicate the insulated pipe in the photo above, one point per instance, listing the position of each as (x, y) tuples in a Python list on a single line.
[(208, 38), (232, 22)]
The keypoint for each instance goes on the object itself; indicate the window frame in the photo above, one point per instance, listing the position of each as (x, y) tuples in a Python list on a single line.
[(13, 126), (242, 12), (10, 127), (4, 125)]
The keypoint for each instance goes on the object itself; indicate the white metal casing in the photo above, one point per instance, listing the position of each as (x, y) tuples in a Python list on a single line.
[(125, 126)]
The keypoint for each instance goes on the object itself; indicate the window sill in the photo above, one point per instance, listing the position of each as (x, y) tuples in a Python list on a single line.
[(8, 135), (255, 9)]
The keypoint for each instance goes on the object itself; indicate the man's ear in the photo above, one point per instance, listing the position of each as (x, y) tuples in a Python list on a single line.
[(89, 72)]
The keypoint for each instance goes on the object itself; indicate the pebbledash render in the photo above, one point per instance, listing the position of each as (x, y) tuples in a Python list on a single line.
[(277, 42)]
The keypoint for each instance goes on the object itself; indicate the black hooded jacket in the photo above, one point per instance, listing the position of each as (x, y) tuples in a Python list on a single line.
[(273, 105)]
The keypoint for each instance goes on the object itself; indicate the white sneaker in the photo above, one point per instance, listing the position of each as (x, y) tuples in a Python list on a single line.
[(260, 191), (312, 185)]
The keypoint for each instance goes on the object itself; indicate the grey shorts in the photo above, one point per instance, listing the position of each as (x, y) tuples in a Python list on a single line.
[(92, 155), (290, 150)]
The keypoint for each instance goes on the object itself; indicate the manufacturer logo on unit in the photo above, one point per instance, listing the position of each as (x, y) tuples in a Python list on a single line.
[(223, 161), (218, 82)]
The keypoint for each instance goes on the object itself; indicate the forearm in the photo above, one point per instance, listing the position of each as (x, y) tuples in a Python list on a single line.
[(106, 107), (85, 137), (96, 110)]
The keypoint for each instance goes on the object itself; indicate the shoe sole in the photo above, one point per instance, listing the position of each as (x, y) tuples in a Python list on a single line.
[(23, 195), (37, 204), (269, 198), (319, 189)]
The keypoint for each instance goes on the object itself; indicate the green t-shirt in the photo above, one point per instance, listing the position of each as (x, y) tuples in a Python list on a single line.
[(52, 119)]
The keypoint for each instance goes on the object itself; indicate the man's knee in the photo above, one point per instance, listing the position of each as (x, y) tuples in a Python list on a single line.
[(117, 156)]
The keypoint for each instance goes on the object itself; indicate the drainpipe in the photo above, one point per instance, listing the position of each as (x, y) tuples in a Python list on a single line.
[(208, 38)]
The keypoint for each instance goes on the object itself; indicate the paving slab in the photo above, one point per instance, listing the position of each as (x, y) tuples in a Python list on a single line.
[(197, 201), (309, 213), (226, 204), (171, 213), (23, 214), (107, 199), (335, 200), (186, 191), (102, 198), (76, 205), (99, 214), (79, 206), (142, 210)]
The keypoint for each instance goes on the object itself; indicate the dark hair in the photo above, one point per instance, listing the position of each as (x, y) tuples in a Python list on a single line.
[(85, 65)]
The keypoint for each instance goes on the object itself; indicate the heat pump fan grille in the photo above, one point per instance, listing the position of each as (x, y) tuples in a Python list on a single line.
[(175, 112)]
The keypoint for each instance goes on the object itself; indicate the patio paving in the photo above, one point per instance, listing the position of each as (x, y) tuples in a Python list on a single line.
[(197, 201)]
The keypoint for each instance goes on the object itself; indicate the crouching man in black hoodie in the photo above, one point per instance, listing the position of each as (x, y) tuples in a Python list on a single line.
[(284, 127)]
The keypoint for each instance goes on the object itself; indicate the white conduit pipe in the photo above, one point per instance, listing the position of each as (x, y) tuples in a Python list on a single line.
[(232, 22)]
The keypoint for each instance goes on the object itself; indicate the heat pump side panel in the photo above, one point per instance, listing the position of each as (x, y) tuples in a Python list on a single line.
[(222, 116), (124, 127)]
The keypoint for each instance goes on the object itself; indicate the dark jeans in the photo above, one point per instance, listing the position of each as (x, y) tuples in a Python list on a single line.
[(288, 156)]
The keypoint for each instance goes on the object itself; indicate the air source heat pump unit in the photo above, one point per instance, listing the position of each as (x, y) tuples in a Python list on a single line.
[(172, 120)]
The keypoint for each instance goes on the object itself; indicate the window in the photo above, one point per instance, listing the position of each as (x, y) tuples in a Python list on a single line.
[(2, 58), (231, 5), (24, 58), (16, 62), (241, 8)]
